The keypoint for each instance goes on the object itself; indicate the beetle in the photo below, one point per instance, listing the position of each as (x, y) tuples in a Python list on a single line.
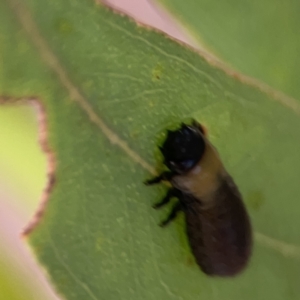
[(217, 223)]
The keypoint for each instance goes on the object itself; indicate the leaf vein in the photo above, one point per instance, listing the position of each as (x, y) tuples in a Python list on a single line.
[(176, 58), (73, 275)]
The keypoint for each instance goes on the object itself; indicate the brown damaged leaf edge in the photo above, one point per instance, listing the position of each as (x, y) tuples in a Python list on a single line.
[(51, 165), (43, 141), (31, 29)]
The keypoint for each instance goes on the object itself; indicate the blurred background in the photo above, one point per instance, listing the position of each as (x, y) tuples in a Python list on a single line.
[(23, 176)]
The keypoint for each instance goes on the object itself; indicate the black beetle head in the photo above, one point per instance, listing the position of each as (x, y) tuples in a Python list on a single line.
[(183, 148)]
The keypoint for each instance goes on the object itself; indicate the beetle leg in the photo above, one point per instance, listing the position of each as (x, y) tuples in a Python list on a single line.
[(176, 208), (163, 176), (171, 193)]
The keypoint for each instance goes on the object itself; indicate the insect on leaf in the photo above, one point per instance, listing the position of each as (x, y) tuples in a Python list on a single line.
[(108, 88)]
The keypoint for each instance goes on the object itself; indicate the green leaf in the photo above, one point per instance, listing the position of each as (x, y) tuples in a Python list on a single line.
[(258, 38), (110, 88)]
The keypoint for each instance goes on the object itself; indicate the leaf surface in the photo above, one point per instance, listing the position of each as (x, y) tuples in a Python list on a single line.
[(258, 38), (110, 88)]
